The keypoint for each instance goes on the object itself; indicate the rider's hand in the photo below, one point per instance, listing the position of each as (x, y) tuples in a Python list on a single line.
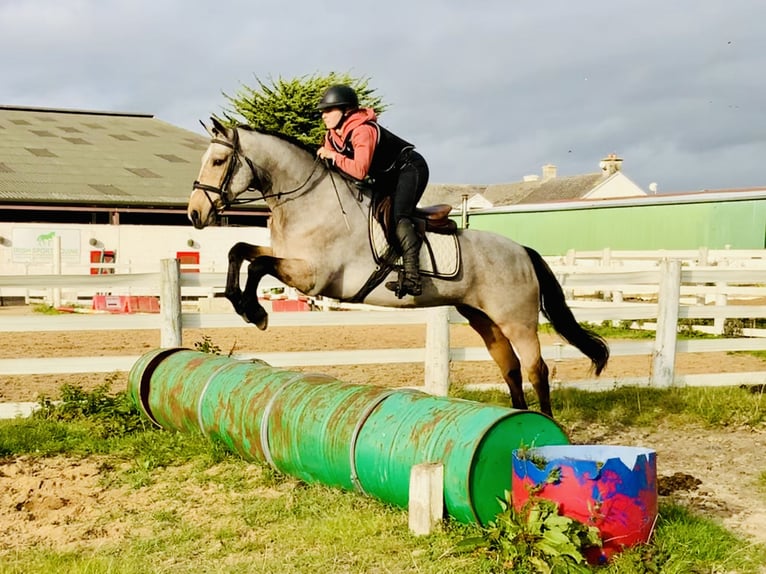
[(325, 153)]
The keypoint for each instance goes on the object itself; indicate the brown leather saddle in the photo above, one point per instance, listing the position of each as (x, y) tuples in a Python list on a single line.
[(434, 218)]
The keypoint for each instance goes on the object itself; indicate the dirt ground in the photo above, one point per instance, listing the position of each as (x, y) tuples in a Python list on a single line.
[(60, 502)]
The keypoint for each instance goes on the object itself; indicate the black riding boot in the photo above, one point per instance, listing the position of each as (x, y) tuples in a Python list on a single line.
[(409, 279)]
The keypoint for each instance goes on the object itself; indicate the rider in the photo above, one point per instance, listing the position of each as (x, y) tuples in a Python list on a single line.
[(358, 146)]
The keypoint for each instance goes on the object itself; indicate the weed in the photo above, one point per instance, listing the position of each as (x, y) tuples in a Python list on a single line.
[(535, 539), (733, 328), (108, 415), (45, 309), (206, 345)]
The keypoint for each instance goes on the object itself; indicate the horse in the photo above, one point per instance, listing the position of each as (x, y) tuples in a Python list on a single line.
[(319, 224)]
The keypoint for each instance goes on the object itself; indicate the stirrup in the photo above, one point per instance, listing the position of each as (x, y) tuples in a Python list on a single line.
[(404, 286)]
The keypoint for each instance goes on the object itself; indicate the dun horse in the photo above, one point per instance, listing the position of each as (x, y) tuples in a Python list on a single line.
[(320, 245)]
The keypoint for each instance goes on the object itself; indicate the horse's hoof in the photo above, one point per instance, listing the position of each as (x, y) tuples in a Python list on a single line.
[(259, 318)]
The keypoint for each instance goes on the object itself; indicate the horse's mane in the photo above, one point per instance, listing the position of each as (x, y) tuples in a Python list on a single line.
[(312, 149)]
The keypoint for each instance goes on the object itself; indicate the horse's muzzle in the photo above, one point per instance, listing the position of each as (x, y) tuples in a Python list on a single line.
[(196, 220)]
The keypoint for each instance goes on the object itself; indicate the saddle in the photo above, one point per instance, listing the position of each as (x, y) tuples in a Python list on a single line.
[(433, 218), (440, 250)]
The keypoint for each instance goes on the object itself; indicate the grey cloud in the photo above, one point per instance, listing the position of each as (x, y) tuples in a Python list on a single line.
[(488, 90)]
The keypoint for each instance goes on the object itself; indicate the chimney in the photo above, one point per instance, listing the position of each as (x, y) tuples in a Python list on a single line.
[(610, 164), (549, 171)]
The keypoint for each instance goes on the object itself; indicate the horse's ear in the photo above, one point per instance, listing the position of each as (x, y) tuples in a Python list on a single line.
[(218, 127), (207, 129)]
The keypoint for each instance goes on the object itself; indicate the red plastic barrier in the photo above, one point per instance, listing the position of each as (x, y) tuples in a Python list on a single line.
[(125, 304), (289, 305)]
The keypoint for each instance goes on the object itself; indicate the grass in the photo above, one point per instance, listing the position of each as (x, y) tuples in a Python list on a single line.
[(198, 508), (636, 406)]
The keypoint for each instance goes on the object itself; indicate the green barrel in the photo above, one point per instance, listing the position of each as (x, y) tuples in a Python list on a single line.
[(474, 442), (320, 429)]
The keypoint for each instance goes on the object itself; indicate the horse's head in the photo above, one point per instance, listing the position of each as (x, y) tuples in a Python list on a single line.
[(224, 175)]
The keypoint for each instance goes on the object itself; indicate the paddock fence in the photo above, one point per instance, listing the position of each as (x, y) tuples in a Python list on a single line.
[(690, 288)]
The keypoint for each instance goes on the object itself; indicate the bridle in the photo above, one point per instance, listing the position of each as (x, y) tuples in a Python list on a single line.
[(234, 162)]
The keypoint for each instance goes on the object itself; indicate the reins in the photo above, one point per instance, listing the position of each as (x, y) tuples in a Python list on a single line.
[(237, 154), (237, 157), (279, 194)]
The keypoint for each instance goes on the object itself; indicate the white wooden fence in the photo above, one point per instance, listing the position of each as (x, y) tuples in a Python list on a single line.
[(659, 288)]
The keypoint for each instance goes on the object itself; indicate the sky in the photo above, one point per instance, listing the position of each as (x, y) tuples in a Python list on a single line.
[(488, 90)]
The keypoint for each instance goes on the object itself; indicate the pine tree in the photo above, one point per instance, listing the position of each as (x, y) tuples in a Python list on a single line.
[(289, 106)]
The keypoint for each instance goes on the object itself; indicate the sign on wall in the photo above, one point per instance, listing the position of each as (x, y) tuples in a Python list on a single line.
[(35, 245)]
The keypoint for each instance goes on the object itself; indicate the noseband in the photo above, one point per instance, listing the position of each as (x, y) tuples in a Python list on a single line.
[(234, 162)]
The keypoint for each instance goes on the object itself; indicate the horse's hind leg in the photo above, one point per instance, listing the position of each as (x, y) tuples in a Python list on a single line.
[(527, 346), (500, 350)]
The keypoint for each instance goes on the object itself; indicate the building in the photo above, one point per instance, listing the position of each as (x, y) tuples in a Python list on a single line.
[(77, 166), (608, 182), (112, 188)]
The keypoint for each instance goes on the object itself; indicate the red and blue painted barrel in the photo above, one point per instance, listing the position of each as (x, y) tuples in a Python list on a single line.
[(611, 487)]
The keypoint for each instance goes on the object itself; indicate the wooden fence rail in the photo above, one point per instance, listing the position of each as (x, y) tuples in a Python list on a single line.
[(666, 308)]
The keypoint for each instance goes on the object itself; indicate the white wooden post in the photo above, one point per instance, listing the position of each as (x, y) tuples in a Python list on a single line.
[(703, 261), (617, 300), (668, 300), (170, 304), (606, 262), (437, 351), (570, 260), (426, 497), (721, 300), (56, 291)]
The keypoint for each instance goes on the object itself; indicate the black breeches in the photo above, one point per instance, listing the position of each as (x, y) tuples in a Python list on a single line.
[(410, 185)]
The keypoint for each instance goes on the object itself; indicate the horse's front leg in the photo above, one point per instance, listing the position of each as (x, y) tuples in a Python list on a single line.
[(293, 272), (237, 254)]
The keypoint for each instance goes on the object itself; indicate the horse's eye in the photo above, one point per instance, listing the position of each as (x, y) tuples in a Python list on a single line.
[(218, 162)]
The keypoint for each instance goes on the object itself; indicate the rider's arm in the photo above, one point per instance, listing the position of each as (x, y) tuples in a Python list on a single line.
[(363, 140)]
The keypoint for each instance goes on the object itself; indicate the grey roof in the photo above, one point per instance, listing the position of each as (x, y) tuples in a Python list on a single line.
[(78, 157), (451, 194), (554, 189), (536, 191), (53, 156)]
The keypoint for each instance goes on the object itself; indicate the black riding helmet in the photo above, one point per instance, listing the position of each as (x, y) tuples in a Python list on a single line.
[(339, 96)]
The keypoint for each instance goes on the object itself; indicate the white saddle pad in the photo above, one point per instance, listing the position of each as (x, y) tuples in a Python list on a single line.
[(439, 254)]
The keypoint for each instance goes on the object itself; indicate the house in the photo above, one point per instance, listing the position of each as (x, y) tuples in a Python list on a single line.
[(608, 182)]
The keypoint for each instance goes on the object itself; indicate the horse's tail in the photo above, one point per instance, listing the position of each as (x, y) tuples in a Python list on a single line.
[(555, 309)]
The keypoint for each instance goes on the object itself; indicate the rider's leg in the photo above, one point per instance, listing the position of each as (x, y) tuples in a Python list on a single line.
[(413, 177), (409, 243)]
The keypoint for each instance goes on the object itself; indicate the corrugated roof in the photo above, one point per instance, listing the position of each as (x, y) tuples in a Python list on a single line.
[(534, 191), (562, 188), (89, 157), (82, 157), (451, 194)]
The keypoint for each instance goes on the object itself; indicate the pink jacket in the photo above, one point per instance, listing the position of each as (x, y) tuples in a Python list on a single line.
[(364, 137)]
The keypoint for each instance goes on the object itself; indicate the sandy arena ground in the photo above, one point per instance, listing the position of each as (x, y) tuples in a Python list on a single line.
[(59, 500)]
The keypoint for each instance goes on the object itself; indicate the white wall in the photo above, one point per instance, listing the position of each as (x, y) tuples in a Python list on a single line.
[(27, 248), (617, 185)]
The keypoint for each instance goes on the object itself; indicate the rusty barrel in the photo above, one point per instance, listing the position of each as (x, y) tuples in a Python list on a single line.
[(357, 437)]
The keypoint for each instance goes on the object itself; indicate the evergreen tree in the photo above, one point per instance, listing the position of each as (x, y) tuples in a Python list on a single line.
[(289, 106)]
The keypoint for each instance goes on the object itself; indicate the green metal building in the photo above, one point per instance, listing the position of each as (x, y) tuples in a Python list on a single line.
[(712, 219)]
